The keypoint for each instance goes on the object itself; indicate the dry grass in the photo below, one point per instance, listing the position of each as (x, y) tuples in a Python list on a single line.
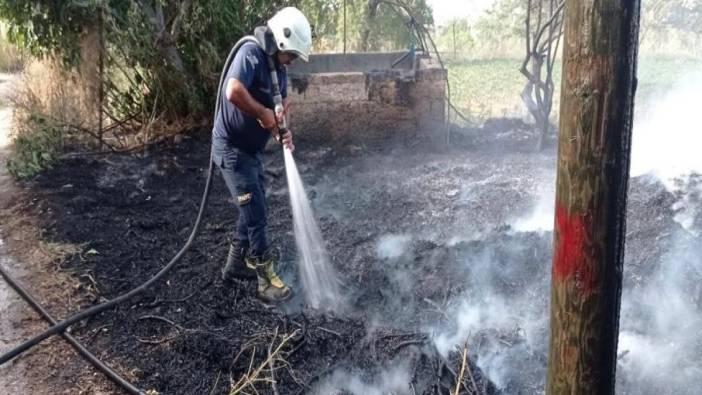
[(265, 372), (23, 235), (66, 97), (11, 59), (69, 99), (52, 104), (57, 108)]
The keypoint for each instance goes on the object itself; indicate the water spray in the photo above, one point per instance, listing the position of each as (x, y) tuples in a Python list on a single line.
[(318, 278), (320, 282)]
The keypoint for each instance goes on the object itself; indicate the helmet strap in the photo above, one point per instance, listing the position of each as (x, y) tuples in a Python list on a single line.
[(265, 38)]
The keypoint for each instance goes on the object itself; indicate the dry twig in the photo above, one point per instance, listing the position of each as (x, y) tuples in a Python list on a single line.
[(335, 333), (271, 364), (459, 377), (459, 380), (254, 376)]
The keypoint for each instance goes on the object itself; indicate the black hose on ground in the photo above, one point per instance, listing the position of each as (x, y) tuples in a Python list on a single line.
[(63, 325), (111, 374)]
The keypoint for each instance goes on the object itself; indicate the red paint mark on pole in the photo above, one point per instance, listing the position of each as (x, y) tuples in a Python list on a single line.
[(570, 261)]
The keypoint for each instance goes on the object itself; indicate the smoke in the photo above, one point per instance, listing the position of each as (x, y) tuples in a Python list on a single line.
[(500, 335), (392, 245), (541, 217), (498, 295), (688, 189), (394, 380), (667, 138), (502, 314), (660, 351), (659, 342)]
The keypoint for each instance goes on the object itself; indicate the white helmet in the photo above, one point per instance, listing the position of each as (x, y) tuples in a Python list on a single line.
[(292, 32)]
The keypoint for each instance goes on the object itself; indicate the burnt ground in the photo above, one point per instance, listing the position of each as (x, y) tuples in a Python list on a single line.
[(53, 367), (435, 246)]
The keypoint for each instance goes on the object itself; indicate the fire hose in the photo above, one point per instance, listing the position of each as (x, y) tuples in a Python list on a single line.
[(60, 327), (111, 374)]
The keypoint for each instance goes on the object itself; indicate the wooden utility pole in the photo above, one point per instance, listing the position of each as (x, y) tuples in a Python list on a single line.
[(344, 26), (593, 170)]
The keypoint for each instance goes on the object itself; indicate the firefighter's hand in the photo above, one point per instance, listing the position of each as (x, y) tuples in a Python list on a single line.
[(287, 141), (267, 119), (280, 117)]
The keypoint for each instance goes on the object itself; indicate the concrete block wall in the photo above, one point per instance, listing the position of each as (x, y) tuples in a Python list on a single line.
[(362, 101)]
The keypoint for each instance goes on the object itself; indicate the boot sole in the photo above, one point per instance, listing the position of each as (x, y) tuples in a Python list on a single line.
[(274, 301), (240, 276)]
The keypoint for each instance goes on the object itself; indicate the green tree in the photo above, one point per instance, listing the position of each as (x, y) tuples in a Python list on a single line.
[(379, 25), (162, 55), (543, 32), (43, 27), (659, 16), (456, 37), (323, 16), (503, 21)]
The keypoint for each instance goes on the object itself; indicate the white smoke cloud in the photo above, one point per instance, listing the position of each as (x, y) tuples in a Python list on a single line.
[(688, 189), (542, 215), (394, 380), (666, 139), (504, 329), (500, 360), (659, 342), (392, 245)]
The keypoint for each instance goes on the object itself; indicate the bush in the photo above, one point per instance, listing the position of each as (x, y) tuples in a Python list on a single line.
[(37, 146), (11, 59)]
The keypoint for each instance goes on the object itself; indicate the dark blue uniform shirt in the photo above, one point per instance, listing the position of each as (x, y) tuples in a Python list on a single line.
[(234, 128)]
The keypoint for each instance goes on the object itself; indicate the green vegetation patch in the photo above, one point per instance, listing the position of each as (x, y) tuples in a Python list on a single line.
[(660, 74), (37, 147), (482, 89), (11, 58), (488, 88)]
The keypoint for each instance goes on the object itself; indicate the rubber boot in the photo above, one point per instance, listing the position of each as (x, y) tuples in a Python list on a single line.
[(236, 264), (271, 289)]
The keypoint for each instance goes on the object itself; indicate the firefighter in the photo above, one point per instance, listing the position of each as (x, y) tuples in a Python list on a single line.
[(244, 123)]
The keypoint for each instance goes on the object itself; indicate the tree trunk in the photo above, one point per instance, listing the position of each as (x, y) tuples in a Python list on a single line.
[(365, 33), (165, 40), (542, 42), (593, 170), (545, 130)]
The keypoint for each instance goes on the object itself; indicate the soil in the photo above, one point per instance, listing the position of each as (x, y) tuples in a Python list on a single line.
[(192, 334), (53, 367), (408, 225)]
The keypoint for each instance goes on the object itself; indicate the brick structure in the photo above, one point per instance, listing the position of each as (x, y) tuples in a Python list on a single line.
[(353, 97)]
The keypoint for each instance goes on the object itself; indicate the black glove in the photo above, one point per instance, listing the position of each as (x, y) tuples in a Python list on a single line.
[(281, 134)]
